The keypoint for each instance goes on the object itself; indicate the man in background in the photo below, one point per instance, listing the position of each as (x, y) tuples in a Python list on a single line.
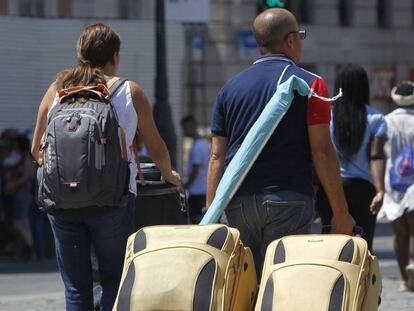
[(197, 168)]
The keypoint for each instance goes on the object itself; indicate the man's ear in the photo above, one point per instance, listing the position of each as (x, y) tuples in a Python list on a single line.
[(289, 42)]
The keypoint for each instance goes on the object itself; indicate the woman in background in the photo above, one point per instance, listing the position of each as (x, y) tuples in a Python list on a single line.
[(358, 132)]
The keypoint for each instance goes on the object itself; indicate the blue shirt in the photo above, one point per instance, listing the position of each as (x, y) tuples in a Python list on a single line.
[(358, 167), (199, 155), (285, 162)]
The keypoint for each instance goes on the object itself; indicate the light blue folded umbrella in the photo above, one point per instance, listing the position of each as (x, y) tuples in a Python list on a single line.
[(253, 144)]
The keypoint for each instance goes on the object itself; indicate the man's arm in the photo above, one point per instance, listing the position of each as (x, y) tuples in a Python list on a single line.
[(215, 166), (327, 169)]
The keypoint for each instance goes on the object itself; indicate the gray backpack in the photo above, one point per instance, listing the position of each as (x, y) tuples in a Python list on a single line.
[(85, 162)]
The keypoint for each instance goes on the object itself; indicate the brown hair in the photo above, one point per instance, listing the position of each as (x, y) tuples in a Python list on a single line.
[(96, 46)]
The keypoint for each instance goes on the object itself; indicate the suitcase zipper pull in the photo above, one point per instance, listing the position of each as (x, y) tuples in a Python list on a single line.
[(183, 200)]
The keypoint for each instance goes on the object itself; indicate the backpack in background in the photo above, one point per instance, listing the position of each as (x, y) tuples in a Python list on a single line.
[(402, 171), (85, 162)]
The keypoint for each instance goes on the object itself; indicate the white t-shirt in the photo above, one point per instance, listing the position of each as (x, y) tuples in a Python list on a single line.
[(400, 133), (199, 155)]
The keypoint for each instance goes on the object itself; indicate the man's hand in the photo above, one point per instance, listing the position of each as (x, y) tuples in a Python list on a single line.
[(343, 223)]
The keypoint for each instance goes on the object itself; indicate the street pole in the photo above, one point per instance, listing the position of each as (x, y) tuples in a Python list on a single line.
[(162, 110)]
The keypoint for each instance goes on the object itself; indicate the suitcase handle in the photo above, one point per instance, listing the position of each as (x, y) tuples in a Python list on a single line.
[(358, 231), (182, 196)]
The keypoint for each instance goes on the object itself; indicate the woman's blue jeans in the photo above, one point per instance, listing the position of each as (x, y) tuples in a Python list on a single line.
[(108, 234)]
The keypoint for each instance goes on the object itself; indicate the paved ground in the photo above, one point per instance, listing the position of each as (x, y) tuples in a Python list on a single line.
[(392, 298), (35, 287)]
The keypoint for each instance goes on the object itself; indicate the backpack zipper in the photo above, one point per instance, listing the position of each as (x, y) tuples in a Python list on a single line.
[(77, 109), (101, 154), (82, 115)]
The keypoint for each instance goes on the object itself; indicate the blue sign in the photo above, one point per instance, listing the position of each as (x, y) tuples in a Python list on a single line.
[(247, 40), (247, 44)]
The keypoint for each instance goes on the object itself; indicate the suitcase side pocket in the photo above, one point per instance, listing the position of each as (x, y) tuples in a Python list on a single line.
[(304, 286)]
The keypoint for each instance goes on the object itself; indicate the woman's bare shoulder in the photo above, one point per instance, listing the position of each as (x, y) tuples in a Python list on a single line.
[(50, 95), (136, 89)]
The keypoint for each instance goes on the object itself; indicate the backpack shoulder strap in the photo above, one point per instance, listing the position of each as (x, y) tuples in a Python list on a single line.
[(115, 86)]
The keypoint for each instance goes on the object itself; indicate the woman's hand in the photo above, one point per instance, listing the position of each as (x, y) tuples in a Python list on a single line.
[(173, 178), (39, 158), (376, 203)]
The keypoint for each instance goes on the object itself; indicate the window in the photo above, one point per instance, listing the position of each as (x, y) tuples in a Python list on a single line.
[(128, 9), (345, 12), (412, 12), (302, 9), (3, 7), (83, 8), (64, 8), (384, 13), (33, 8)]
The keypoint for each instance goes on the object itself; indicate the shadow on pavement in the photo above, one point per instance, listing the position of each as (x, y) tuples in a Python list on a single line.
[(383, 229), (46, 266), (381, 254)]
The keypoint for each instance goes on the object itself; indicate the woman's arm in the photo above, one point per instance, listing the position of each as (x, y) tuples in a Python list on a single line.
[(377, 167), (150, 135), (44, 107)]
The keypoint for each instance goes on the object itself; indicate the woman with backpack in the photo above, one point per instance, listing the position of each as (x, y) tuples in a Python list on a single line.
[(358, 132), (106, 122)]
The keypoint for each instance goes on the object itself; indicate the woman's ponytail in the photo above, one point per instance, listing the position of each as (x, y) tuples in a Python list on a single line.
[(81, 74), (97, 45)]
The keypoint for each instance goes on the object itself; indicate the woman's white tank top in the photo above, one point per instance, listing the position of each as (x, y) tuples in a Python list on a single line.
[(128, 120)]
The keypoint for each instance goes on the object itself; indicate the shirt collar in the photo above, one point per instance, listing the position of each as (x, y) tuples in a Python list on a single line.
[(274, 57)]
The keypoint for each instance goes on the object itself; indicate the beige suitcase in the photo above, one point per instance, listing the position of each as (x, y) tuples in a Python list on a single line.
[(319, 273), (188, 268)]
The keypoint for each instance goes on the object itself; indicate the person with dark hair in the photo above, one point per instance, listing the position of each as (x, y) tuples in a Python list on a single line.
[(358, 132), (399, 178), (196, 183), (276, 197), (106, 229)]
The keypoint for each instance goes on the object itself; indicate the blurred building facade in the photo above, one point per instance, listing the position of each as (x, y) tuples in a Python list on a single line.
[(203, 55), (374, 33), (39, 40)]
